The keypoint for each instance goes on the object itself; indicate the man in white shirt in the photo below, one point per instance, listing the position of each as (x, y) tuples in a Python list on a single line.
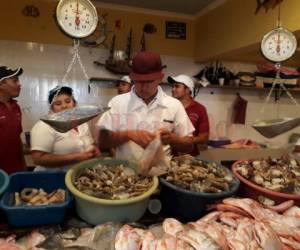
[(135, 117)]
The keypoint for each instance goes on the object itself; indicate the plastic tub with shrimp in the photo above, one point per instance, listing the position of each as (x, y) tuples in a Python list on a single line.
[(190, 205), (97, 210)]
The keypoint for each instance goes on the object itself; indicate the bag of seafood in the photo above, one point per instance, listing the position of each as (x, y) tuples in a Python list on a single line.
[(154, 160), (107, 189), (191, 184), (270, 181)]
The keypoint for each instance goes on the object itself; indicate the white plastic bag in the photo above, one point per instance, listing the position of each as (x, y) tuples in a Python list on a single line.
[(154, 160)]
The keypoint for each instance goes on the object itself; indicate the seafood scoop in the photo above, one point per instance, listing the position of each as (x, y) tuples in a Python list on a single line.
[(71, 118), (273, 127)]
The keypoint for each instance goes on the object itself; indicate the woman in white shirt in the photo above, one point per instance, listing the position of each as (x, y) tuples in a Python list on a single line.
[(52, 150)]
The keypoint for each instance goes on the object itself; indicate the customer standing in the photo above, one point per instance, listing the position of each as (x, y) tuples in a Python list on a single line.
[(182, 89), (11, 147), (134, 118)]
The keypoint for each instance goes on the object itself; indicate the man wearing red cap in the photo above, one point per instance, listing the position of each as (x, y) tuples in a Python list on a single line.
[(135, 117), (11, 148)]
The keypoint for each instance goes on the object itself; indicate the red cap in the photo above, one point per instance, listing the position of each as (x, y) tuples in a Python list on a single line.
[(146, 66)]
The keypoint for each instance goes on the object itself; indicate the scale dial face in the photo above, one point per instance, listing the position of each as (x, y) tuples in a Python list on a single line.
[(279, 45), (77, 18)]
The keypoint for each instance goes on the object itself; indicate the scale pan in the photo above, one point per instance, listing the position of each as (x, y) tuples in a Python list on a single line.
[(71, 118), (273, 127)]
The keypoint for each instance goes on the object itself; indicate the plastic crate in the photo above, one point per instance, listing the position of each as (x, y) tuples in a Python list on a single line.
[(20, 216)]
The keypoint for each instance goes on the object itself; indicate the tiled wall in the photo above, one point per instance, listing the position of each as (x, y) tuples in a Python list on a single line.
[(45, 65)]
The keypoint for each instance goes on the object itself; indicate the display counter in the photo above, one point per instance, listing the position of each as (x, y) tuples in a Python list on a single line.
[(220, 154)]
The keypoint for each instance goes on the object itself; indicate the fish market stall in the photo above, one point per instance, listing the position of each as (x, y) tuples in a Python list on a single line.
[(223, 223), (160, 201), (223, 154), (232, 224)]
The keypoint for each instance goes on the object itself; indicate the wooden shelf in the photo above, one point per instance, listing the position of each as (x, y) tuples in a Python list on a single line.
[(248, 88), (110, 81), (101, 79)]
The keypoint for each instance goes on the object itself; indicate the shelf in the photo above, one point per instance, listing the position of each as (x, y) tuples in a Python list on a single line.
[(247, 88), (101, 79), (104, 82), (111, 81)]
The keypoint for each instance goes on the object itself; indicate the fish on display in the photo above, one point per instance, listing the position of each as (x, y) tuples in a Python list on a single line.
[(55, 238)]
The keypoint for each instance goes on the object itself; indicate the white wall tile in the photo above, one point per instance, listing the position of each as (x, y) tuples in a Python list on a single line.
[(45, 65)]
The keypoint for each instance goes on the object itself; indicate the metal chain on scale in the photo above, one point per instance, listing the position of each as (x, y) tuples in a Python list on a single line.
[(76, 57), (277, 77)]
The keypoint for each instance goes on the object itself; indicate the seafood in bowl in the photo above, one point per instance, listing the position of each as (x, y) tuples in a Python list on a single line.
[(115, 183), (280, 175), (270, 181), (46, 199), (191, 184), (120, 208), (197, 175), (36, 197)]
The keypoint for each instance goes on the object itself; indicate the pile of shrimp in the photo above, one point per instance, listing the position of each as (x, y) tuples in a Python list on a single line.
[(236, 224)]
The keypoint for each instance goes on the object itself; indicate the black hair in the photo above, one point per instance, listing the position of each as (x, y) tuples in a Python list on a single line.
[(62, 90)]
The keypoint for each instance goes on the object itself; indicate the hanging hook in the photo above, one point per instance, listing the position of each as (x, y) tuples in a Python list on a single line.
[(279, 17), (276, 95)]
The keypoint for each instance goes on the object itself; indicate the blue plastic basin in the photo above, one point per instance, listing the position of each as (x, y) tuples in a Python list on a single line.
[(21, 216), (4, 181), (189, 205)]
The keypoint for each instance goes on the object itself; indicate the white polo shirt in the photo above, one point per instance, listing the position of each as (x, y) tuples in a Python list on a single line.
[(46, 139), (130, 112)]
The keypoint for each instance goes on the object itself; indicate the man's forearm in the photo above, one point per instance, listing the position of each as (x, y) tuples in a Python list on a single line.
[(202, 138), (110, 139)]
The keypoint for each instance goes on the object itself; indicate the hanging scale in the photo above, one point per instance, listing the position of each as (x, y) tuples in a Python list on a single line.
[(277, 46), (77, 19)]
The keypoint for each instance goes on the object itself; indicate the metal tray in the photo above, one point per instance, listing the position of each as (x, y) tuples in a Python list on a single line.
[(71, 118), (274, 127)]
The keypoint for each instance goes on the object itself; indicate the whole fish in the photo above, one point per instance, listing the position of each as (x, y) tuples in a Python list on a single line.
[(98, 238)]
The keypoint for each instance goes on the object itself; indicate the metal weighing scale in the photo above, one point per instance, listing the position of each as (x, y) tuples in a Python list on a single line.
[(277, 46), (78, 19)]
